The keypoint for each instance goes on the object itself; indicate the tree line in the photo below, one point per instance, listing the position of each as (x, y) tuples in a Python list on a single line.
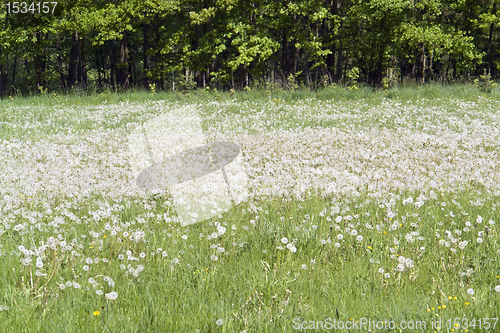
[(233, 44)]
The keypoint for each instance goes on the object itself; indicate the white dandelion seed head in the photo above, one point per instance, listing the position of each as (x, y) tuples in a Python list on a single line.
[(112, 295)]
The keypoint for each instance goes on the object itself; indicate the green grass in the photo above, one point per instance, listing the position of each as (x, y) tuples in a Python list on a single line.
[(405, 92), (257, 287)]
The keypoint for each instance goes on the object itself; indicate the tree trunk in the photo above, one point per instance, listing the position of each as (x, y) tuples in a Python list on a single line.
[(73, 61), (103, 65), (421, 62), (82, 66), (145, 80), (159, 59), (39, 61), (285, 63), (429, 73), (99, 80), (113, 64), (60, 64), (2, 81), (122, 69), (14, 71), (490, 41), (3, 76)]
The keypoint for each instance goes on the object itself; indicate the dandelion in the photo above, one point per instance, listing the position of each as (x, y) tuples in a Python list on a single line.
[(340, 236), (409, 262), (175, 261), (284, 240), (219, 322), (497, 289), (381, 270), (304, 266), (479, 240), (214, 257), (86, 268), (387, 275), (96, 313), (470, 291), (62, 286), (359, 238), (112, 295)]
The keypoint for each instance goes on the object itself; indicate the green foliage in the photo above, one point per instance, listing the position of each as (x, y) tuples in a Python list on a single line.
[(230, 43), (485, 83), (352, 78)]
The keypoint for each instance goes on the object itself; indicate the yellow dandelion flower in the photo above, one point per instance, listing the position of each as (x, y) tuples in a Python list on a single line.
[(96, 313)]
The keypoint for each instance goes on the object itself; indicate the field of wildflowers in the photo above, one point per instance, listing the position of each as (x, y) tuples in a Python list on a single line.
[(385, 210)]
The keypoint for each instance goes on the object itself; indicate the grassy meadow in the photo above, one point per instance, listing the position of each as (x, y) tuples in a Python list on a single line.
[(379, 205)]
